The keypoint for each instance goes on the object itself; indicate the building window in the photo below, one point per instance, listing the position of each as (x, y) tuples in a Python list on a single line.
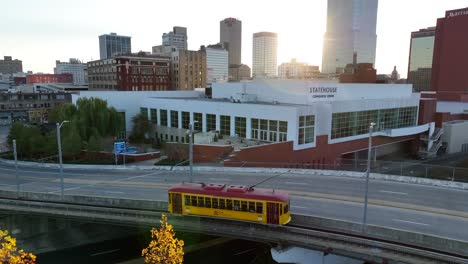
[(225, 125), (254, 128), (283, 131), (185, 120), (198, 120), (144, 111), (163, 116), (306, 129), (269, 130), (357, 123), (174, 118), (154, 116), (210, 122), (240, 128), (273, 130)]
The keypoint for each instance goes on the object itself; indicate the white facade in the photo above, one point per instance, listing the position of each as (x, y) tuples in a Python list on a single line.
[(452, 107), (217, 65), (129, 102), (264, 60), (278, 111), (455, 136), (74, 67), (351, 27)]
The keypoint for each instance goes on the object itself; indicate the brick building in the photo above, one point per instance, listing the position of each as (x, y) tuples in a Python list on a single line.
[(10, 66), (130, 73), (49, 78)]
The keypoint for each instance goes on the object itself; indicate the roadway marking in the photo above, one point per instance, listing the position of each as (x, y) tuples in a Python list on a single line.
[(105, 252), (43, 172), (384, 191), (300, 207), (409, 222), (115, 192), (219, 179), (140, 176), (295, 183), (110, 182)]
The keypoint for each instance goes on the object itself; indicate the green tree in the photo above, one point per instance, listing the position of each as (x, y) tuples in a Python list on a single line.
[(29, 140), (95, 143), (164, 247), (63, 112), (71, 142), (141, 127)]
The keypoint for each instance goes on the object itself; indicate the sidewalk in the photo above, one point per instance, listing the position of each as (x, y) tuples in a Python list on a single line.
[(149, 162)]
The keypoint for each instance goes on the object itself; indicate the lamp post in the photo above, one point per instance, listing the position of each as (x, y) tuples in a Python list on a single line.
[(59, 143), (369, 154), (191, 148), (15, 154)]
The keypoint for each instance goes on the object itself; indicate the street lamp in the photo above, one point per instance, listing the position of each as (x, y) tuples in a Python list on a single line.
[(369, 154), (59, 143), (191, 148)]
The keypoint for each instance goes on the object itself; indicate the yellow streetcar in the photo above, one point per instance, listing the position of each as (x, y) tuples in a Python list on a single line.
[(230, 201)]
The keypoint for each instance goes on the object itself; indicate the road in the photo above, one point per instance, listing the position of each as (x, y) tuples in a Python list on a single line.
[(418, 208)]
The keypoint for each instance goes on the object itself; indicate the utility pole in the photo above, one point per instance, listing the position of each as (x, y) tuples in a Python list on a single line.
[(191, 151), (369, 154), (59, 143), (15, 154)]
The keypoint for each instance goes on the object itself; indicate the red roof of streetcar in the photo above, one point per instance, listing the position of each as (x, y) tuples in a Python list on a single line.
[(234, 191)]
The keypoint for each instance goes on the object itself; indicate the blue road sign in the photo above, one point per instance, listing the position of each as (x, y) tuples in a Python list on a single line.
[(119, 147)]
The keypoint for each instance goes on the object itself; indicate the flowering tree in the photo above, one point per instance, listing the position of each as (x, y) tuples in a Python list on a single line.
[(10, 254), (164, 248)]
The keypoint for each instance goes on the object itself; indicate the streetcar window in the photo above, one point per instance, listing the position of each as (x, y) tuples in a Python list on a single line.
[(252, 207), (229, 204), (244, 206), (286, 208), (281, 209), (207, 202), (236, 205), (170, 198), (221, 204), (187, 199), (194, 200), (215, 202), (259, 208), (201, 203)]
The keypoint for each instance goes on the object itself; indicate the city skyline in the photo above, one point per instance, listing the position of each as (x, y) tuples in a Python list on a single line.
[(39, 36)]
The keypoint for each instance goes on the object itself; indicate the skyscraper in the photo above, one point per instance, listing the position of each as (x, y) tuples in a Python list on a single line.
[(230, 34), (217, 63), (351, 27), (111, 45), (177, 38), (420, 59), (265, 45), (450, 61)]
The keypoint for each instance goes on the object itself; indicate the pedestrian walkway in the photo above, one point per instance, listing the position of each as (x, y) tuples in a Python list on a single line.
[(149, 162)]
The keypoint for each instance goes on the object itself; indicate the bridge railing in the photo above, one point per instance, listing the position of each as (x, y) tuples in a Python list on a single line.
[(411, 169)]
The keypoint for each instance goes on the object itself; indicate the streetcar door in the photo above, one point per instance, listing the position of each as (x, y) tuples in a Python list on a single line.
[(272, 213), (176, 203)]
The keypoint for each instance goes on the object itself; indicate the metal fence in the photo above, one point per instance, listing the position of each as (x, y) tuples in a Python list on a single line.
[(429, 171)]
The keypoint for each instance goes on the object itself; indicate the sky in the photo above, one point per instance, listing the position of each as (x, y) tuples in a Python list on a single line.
[(39, 32)]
